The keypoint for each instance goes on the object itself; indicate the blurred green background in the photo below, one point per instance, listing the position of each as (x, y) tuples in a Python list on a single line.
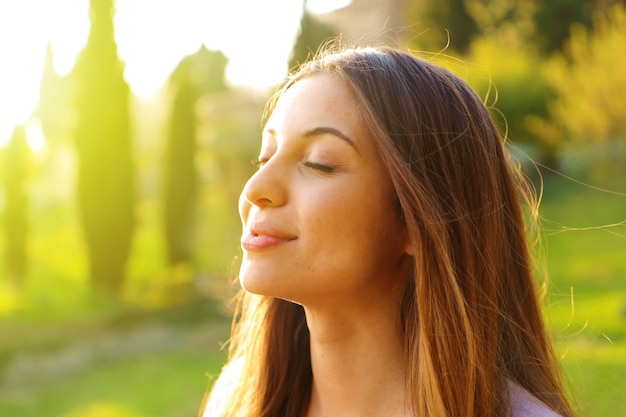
[(121, 163)]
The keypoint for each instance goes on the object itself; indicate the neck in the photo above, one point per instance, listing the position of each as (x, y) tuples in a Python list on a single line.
[(357, 359)]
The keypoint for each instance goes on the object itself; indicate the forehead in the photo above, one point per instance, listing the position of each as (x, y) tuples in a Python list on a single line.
[(320, 100)]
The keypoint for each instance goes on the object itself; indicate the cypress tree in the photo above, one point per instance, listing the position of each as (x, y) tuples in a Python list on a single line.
[(313, 33), (15, 218), (52, 109), (103, 142), (197, 75)]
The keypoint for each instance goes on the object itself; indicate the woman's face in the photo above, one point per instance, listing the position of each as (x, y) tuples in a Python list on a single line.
[(319, 224)]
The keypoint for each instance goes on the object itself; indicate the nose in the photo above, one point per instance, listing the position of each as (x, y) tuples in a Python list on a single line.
[(267, 187)]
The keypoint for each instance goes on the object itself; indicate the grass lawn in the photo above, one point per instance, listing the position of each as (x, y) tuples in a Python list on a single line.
[(167, 377), (585, 248), (168, 384)]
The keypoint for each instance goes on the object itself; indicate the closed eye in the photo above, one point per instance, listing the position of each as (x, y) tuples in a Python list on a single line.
[(319, 167)]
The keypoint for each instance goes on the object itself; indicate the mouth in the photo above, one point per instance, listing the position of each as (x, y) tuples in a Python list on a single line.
[(259, 239)]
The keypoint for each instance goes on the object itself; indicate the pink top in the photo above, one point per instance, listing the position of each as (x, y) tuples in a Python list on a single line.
[(523, 404)]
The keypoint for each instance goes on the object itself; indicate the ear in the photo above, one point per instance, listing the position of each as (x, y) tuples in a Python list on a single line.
[(407, 244)]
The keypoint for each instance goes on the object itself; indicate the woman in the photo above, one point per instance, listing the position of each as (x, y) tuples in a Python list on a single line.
[(385, 265)]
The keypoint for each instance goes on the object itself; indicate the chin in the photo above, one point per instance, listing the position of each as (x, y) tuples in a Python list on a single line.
[(256, 284), (263, 287)]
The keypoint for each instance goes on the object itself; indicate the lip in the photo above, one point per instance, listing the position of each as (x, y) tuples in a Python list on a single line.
[(259, 238)]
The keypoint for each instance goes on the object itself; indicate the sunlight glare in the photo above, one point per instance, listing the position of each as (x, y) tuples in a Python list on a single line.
[(152, 43), (22, 62), (257, 38), (259, 42), (68, 32), (26, 27), (325, 6), (34, 135), (152, 37)]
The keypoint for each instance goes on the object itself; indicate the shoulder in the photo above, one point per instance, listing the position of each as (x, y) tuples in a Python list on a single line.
[(223, 389), (524, 404)]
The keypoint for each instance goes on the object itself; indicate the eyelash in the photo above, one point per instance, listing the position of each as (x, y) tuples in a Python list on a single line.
[(259, 162), (319, 167), (313, 165)]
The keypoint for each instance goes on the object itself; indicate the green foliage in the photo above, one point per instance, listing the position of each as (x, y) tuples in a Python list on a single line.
[(512, 85), (14, 170), (508, 22), (590, 83), (442, 23), (542, 25), (313, 34), (197, 75), (554, 19), (103, 141)]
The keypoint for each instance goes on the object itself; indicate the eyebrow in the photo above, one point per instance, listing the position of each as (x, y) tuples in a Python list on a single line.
[(322, 130)]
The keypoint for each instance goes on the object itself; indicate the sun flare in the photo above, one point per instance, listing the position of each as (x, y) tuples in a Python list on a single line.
[(152, 37), (26, 28)]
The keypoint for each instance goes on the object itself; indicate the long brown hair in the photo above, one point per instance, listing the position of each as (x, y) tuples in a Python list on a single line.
[(470, 311)]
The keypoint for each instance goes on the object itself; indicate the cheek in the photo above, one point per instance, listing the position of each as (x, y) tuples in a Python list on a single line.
[(374, 222), (346, 216)]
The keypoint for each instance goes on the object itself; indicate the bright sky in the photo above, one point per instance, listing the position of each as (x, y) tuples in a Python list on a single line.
[(152, 36)]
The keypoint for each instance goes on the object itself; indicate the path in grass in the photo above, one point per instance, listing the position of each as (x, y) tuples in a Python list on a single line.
[(138, 366)]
